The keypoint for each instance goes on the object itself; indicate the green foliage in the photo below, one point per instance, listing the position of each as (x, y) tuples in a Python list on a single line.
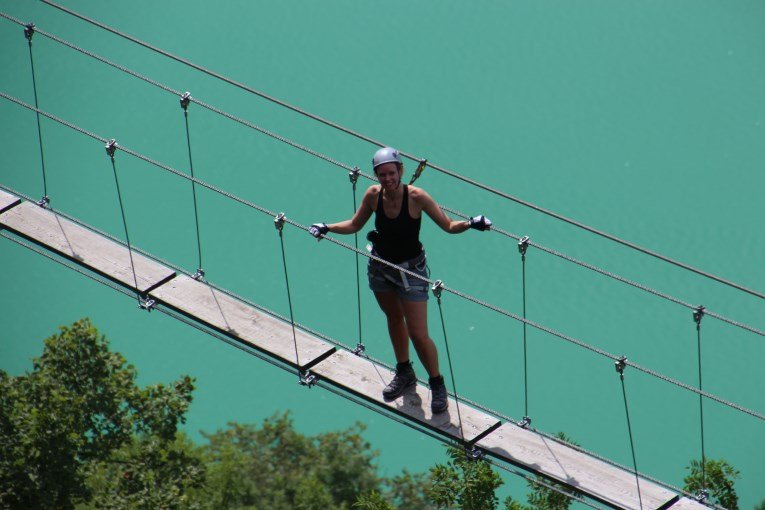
[(409, 491), (540, 496), (73, 412), (720, 477), (761, 506), (373, 501), (276, 467), (464, 483)]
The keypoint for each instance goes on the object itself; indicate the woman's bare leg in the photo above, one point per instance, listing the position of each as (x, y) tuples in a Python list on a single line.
[(390, 304), (416, 315)]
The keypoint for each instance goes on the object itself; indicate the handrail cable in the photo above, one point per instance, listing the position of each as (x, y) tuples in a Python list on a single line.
[(438, 168), (394, 266), (369, 177)]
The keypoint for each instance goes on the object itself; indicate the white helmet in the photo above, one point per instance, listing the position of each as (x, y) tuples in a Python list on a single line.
[(386, 155)]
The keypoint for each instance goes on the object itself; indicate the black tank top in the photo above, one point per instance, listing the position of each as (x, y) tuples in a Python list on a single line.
[(399, 238)]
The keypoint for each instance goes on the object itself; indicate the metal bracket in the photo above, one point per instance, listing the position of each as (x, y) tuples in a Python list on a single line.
[(353, 175), (360, 348), (307, 379), (698, 314), (438, 286), (185, 100), (702, 496), (474, 453), (43, 202), (621, 364), (279, 222), (29, 31), (525, 422), (146, 303), (523, 244), (111, 147), (199, 275), (418, 172)]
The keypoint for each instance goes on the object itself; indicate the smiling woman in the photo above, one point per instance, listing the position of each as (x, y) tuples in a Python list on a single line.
[(396, 239)]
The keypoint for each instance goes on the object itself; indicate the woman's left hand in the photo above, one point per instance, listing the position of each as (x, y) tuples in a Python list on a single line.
[(480, 222)]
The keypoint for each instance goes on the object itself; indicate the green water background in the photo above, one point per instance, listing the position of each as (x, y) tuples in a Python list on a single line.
[(641, 119)]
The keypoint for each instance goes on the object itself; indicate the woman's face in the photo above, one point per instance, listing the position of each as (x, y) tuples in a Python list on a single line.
[(389, 176)]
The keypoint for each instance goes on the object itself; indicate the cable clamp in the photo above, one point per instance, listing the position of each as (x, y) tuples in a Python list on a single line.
[(702, 496), (199, 275), (111, 147), (307, 378), (698, 314), (525, 422), (621, 364), (353, 175), (29, 31), (185, 100), (146, 303), (43, 202), (420, 169), (279, 221), (523, 244), (437, 287), (360, 348), (474, 453)]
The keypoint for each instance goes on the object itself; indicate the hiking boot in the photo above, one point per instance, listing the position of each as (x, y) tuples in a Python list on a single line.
[(439, 401), (401, 381)]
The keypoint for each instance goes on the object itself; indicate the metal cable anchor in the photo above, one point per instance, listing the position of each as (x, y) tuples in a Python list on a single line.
[(523, 244), (111, 147), (353, 175), (29, 31), (185, 100), (620, 365), (698, 314), (525, 422), (146, 303), (437, 288), (359, 350), (279, 222), (307, 378), (418, 172), (199, 275)]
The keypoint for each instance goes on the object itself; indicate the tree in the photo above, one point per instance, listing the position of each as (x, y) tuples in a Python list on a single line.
[(73, 412), (464, 483), (719, 476), (274, 466)]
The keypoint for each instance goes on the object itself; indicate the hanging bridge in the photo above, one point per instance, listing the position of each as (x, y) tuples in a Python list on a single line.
[(318, 360)]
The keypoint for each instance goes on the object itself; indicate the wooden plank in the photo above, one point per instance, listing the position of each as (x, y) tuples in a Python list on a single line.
[(687, 504), (7, 201), (201, 302), (592, 476), (364, 378), (83, 246)]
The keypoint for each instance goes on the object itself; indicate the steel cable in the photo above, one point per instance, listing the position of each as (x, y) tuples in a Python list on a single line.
[(399, 268), (410, 156)]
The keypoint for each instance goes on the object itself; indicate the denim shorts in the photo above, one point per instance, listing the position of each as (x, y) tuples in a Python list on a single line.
[(383, 278)]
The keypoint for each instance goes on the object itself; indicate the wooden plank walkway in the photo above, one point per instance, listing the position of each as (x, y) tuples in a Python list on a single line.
[(352, 374), (83, 246)]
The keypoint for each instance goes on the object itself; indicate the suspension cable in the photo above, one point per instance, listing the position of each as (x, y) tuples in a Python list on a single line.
[(698, 314), (349, 168), (523, 244), (185, 100), (279, 224), (111, 147), (353, 176), (398, 268), (620, 364), (407, 155), (437, 288), (29, 31)]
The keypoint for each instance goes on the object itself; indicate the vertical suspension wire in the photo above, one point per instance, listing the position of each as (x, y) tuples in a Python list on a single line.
[(111, 148), (698, 314), (353, 175), (279, 224), (620, 365), (437, 288), (185, 100), (29, 31), (523, 244)]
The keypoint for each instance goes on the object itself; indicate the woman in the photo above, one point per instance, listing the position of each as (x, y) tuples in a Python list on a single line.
[(398, 212)]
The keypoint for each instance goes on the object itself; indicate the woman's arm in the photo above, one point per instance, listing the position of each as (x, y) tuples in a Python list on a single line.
[(360, 217), (436, 214)]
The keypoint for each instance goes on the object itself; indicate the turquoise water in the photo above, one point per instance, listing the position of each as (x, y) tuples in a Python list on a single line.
[(644, 120)]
